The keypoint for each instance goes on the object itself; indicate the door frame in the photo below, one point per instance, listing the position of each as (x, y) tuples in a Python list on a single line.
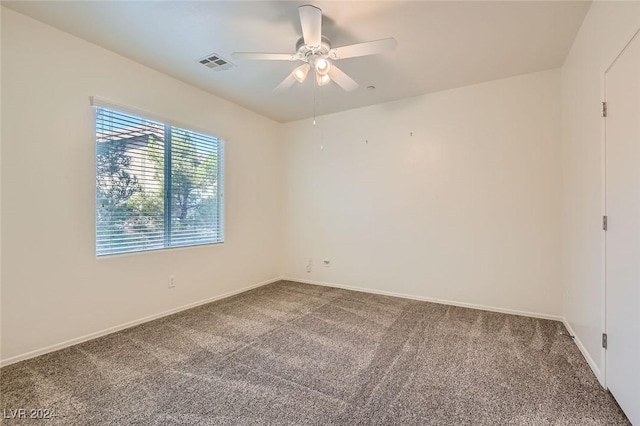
[(603, 239)]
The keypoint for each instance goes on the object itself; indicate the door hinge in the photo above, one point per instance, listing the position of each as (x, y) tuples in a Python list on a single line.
[(605, 223), (604, 340), (604, 109)]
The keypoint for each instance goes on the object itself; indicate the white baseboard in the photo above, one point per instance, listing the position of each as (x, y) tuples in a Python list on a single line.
[(431, 299), (585, 353), (129, 324)]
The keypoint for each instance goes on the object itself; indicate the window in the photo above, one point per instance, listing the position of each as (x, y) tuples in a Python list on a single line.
[(157, 185)]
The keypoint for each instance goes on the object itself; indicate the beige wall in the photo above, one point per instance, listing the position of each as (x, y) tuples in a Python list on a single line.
[(456, 196), (606, 29), (53, 287), (1, 9)]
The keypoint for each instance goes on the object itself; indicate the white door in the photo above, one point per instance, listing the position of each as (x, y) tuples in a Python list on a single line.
[(622, 85)]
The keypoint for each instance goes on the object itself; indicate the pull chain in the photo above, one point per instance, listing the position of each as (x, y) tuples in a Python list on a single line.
[(315, 85)]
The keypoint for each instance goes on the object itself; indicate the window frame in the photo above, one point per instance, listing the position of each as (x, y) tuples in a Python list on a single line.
[(168, 124)]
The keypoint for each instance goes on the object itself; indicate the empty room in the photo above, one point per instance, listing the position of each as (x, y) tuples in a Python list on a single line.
[(328, 213)]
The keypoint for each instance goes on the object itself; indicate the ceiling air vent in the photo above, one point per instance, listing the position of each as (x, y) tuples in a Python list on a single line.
[(214, 61)]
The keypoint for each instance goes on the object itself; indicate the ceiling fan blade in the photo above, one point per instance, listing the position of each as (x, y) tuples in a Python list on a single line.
[(286, 83), (251, 56), (311, 22), (341, 79), (364, 49)]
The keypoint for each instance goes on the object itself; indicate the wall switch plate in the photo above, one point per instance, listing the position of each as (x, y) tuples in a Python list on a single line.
[(172, 281)]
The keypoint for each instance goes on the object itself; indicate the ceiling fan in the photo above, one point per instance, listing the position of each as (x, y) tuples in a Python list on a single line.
[(317, 54)]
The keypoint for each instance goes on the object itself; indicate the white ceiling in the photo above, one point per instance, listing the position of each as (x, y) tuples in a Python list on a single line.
[(441, 45)]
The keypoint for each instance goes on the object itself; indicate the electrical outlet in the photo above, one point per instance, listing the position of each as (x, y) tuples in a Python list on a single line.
[(172, 281), (327, 263), (310, 265)]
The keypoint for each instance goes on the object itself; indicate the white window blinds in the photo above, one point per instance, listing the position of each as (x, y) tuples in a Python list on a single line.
[(157, 185)]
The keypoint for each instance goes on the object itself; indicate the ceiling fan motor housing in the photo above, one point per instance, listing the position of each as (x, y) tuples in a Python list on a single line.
[(305, 51)]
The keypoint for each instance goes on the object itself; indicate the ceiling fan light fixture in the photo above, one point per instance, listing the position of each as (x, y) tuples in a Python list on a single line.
[(300, 73), (323, 66), (322, 79)]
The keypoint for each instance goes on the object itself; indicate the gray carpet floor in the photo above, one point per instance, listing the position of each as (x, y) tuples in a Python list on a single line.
[(298, 354)]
